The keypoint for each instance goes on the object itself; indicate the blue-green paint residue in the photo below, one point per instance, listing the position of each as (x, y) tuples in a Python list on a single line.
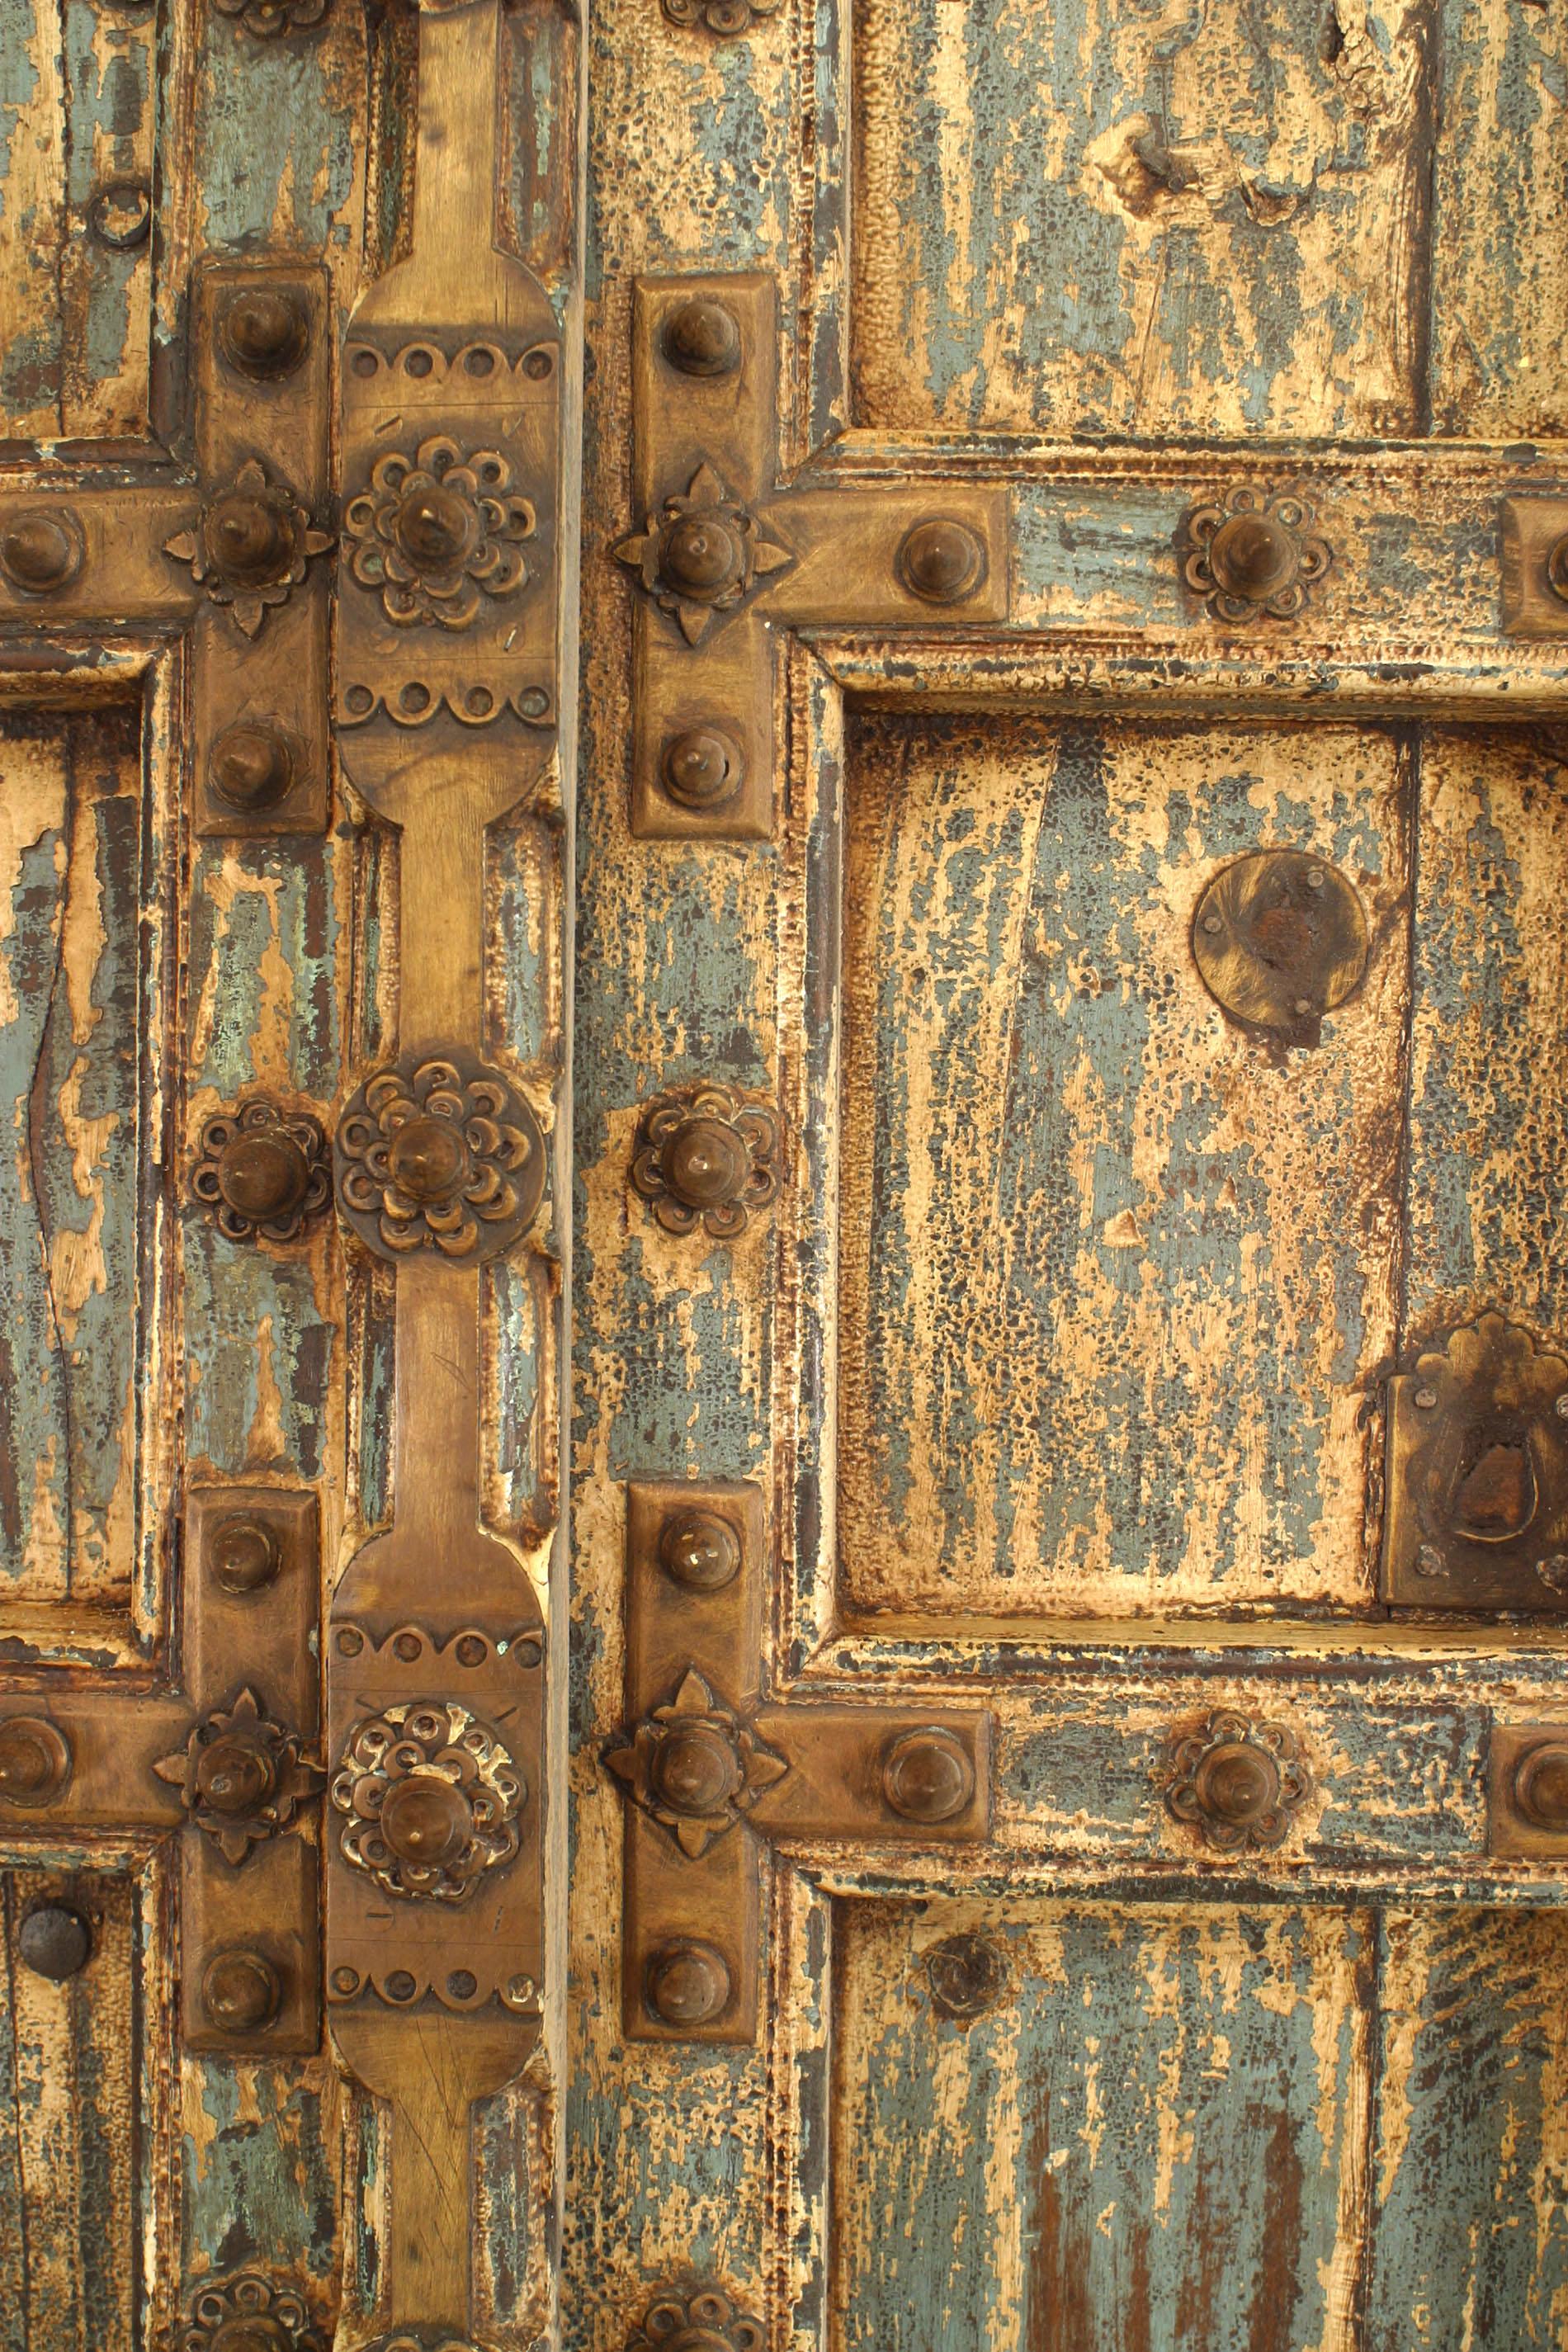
[(260, 2185)]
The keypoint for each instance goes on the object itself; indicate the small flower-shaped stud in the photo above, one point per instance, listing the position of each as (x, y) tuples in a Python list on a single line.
[(705, 1156), (1237, 1782), (268, 18), (436, 530), (250, 546), (701, 553), (240, 1775), (262, 1170), (430, 1799), (249, 2313), (440, 1154), (696, 1765), (1255, 554), (700, 2320)]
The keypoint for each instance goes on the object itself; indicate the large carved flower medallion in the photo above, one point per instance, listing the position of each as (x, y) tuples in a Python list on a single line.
[(241, 1776), (438, 532), (250, 546), (439, 1154), (696, 1765), (701, 553), (430, 1800)]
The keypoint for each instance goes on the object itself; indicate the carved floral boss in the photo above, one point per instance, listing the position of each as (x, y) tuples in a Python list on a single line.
[(250, 546), (696, 1765), (441, 1153), (701, 553), (705, 1156), (241, 1776), (438, 532), (430, 1798)]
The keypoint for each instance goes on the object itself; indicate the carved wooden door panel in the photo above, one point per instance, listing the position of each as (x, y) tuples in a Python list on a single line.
[(1070, 1737)]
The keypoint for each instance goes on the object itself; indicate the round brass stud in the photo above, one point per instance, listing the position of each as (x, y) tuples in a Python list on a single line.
[(704, 768), (240, 1991), (1238, 1783), (695, 1769), (263, 1175), (927, 1775), (1557, 567), (425, 1819), (702, 338), (249, 539), (253, 2333), (941, 560), (1280, 938), (40, 550), (35, 1761), (687, 1983), (1253, 556), (243, 1555), (436, 528), (233, 1777), (707, 1163), (700, 554), (251, 767), (264, 331), (699, 1550), (429, 1158), (55, 1941), (119, 216), (1541, 1785)]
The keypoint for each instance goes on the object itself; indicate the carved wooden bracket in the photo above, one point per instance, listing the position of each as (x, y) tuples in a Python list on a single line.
[(721, 559), (717, 1773)]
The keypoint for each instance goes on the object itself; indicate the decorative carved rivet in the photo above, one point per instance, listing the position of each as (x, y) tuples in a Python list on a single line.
[(696, 1765), (1238, 1782), (705, 2321), (241, 1994), (41, 550), (725, 17), (264, 331), (262, 1170), (701, 1551), (687, 1982), (1557, 567), (249, 2313), (265, 19), (252, 766), (251, 546), (35, 1761), (55, 1941), (941, 560), (704, 1155), (702, 338), (430, 1798), (241, 1776), (243, 1554), (436, 532), (1541, 1785), (967, 1974), (1255, 554), (701, 553), (928, 1775), (704, 768), (439, 1154), (119, 216), (1280, 939)]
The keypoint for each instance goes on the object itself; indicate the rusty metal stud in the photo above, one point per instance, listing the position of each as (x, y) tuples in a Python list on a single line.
[(243, 1555), (705, 1155), (941, 560), (1280, 938), (695, 1769), (967, 1975), (119, 214), (251, 767), (55, 1941), (240, 1993), (264, 331), (35, 1761), (248, 539), (1541, 1785), (41, 550), (927, 1775), (703, 555), (704, 768), (1253, 555), (1238, 1782), (701, 1551), (703, 338), (687, 1982)]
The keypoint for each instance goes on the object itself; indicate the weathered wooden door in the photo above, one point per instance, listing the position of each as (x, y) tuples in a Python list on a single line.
[(1030, 1811)]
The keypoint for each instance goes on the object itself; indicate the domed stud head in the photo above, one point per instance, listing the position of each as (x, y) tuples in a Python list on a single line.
[(707, 1163), (699, 1550), (251, 767), (435, 529), (702, 554), (927, 1775), (264, 332), (1541, 1785), (425, 1819), (687, 1983), (253, 2331), (695, 1769), (1238, 1783), (35, 1761), (243, 1555), (941, 560), (240, 1992), (1252, 555), (40, 550), (55, 1941), (429, 1158), (1557, 567), (249, 539), (262, 1174), (702, 338), (232, 1778), (704, 768)]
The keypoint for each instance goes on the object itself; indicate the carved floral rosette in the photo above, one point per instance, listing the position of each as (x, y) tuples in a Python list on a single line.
[(700, 2316), (292, 1147), (441, 1153), (266, 19), (435, 531), (241, 1775), (250, 2309), (705, 1156), (696, 1765), (703, 552), (1238, 1781), (726, 17), (1253, 554), (436, 1749), (251, 546)]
